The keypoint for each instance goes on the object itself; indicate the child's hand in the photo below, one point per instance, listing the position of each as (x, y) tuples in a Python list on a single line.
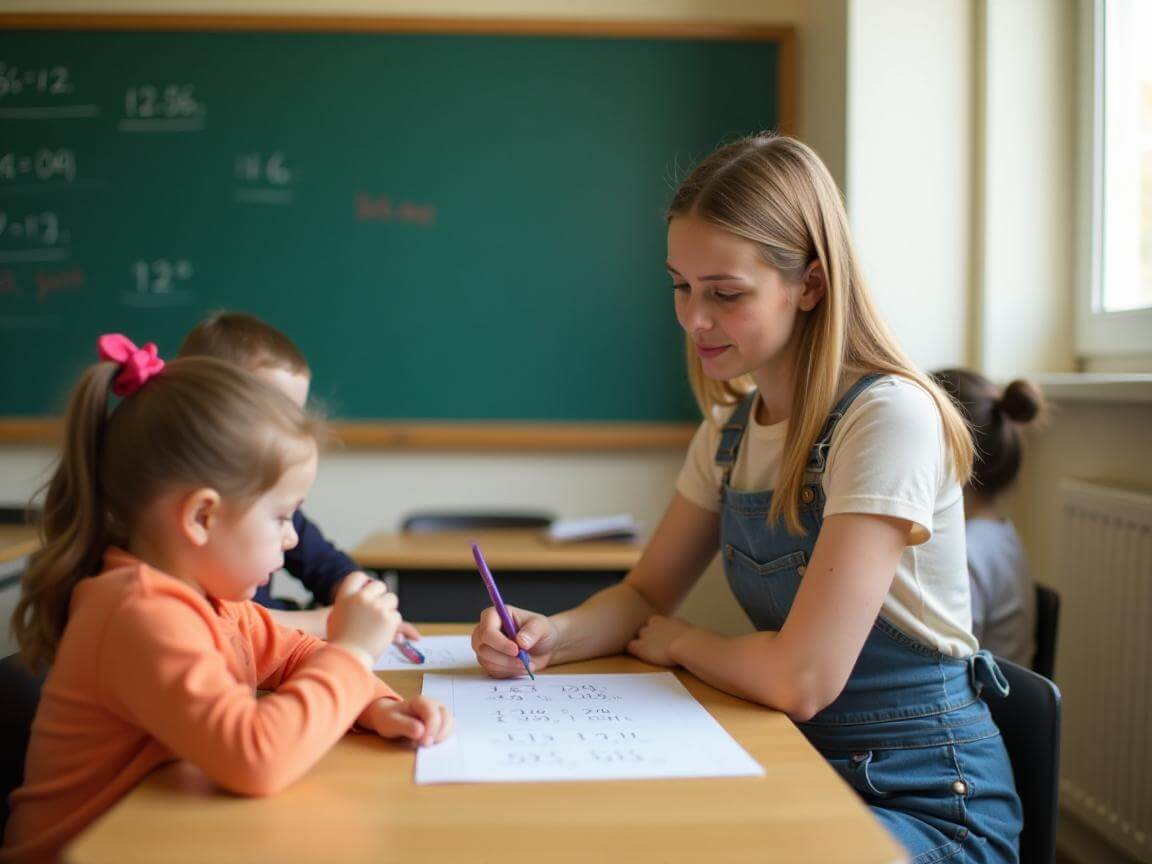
[(653, 643), (364, 615), (499, 655), (419, 719), (406, 631)]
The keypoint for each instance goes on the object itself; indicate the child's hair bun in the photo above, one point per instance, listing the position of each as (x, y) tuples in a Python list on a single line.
[(1022, 401)]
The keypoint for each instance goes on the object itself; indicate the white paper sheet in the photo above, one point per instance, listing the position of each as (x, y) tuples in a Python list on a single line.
[(577, 727), (440, 652)]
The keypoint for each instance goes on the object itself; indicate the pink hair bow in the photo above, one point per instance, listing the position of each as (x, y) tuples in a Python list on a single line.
[(137, 365)]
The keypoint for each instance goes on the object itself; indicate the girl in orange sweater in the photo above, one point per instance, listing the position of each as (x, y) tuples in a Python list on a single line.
[(163, 516)]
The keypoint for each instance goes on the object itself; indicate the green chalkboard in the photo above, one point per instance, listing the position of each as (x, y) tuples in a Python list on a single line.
[(452, 226)]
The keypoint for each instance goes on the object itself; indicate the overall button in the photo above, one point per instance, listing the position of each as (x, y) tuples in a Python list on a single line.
[(857, 758), (728, 551), (807, 495), (960, 787), (800, 570)]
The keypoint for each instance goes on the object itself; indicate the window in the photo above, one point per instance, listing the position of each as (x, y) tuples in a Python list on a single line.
[(1115, 314)]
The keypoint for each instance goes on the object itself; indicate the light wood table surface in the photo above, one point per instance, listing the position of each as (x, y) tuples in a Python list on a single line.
[(17, 541), (503, 550), (360, 804)]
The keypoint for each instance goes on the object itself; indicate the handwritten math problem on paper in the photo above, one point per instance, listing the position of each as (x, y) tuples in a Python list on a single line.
[(577, 727)]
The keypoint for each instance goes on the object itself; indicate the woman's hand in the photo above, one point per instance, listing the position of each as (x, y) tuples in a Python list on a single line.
[(500, 656), (653, 644)]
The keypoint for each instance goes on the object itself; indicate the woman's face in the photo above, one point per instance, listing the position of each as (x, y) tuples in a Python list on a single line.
[(739, 311)]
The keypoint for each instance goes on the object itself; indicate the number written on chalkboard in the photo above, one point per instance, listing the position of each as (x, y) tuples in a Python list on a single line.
[(148, 101), (44, 164), (160, 275), (48, 81), (42, 228)]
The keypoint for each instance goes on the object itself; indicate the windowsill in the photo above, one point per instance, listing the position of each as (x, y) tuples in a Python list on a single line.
[(1096, 386)]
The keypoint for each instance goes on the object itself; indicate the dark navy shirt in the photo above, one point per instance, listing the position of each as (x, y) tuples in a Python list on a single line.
[(314, 561)]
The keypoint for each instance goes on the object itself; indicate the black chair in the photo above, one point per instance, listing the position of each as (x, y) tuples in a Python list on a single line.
[(19, 694), (1047, 622), (1029, 721), (433, 521)]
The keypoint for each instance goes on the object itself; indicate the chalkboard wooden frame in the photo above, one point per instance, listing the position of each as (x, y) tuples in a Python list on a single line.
[(481, 436)]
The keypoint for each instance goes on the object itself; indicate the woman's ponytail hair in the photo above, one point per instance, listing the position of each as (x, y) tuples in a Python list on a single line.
[(994, 418)]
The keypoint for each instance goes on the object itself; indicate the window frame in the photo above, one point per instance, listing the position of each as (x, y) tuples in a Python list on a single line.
[(1098, 333)]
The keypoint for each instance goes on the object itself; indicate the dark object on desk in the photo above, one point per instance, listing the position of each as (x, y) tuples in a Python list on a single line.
[(434, 522), (1047, 624), (1029, 721), (19, 694), (18, 514), (453, 596)]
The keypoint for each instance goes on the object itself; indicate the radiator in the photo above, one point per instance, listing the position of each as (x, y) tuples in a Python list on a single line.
[(1103, 662)]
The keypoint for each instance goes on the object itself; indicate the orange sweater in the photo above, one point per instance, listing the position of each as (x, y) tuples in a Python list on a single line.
[(148, 671)]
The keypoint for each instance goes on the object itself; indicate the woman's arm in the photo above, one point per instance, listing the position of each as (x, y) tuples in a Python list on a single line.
[(805, 666)]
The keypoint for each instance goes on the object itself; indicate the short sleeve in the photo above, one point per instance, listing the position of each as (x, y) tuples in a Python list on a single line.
[(700, 476), (888, 458)]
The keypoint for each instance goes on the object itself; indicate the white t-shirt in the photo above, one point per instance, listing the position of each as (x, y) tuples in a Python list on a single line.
[(887, 457), (1003, 596)]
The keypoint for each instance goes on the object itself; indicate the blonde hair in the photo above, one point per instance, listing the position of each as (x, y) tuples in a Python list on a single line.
[(775, 191), (245, 340), (200, 422)]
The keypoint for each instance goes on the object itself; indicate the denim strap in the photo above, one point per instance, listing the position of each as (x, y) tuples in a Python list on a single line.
[(984, 672), (731, 436), (818, 457)]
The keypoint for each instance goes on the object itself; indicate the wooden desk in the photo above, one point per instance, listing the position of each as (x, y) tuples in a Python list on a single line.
[(17, 541), (360, 804), (438, 580)]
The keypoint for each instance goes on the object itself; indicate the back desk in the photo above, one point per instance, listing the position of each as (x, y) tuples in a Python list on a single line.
[(437, 578)]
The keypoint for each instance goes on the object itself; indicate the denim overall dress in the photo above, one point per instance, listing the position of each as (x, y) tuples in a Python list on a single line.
[(909, 732)]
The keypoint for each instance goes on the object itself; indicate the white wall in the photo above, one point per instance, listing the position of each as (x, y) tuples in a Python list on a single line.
[(909, 171), (1025, 288), (824, 82)]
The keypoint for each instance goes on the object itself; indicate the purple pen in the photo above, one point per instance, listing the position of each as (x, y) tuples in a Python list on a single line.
[(506, 622)]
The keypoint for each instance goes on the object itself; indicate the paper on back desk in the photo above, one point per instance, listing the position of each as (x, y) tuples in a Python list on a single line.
[(577, 727), (440, 652)]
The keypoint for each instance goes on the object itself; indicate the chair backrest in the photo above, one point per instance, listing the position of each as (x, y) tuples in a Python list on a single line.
[(20, 695), (432, 521), (1029, 721), (1047, 623)]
